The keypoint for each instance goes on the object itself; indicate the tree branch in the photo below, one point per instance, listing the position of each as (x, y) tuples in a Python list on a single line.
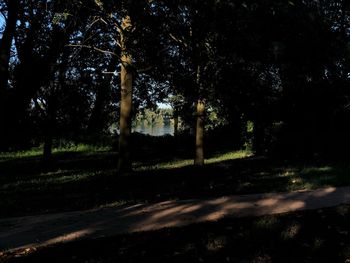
[(94, 48), (180, 41)]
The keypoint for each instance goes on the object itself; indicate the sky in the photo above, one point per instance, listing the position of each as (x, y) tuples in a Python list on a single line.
[(2, 22), (164, 105)]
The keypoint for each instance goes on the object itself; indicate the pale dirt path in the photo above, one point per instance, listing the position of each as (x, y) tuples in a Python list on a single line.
[(42, 230)]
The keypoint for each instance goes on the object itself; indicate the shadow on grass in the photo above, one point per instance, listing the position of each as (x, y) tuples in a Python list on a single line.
[(87, 180)]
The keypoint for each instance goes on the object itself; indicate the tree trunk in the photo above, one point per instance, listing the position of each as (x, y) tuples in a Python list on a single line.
[(50, 124), (176, 123), (199, 159), (126, 76), (47, 154)]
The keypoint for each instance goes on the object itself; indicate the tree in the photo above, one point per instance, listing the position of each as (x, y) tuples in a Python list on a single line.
[(194, 46), (6, 43), (126, 77)]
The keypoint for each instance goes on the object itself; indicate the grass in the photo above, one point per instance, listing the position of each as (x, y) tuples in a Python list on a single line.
[(311, 236), (38, 151), (176, 164), (85, 177)]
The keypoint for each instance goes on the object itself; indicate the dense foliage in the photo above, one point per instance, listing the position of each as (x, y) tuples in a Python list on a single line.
[(276, 69)]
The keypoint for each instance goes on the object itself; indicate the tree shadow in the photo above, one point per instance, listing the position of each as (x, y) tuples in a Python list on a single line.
[(52, 229), (83, 181)]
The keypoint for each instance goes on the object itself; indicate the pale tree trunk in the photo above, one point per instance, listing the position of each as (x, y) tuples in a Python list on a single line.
[(126, 76), (200, 114)]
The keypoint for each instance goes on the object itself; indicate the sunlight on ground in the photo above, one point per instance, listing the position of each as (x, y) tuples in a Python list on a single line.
[(308, 178), (291, 231), (229, 156), (189, 162), (37, 152), (316, 170)]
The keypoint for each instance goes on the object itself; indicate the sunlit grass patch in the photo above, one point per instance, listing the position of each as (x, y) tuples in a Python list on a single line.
[(20, 154), (313, 177), (167, 165), (289, 172), (83, 148), (175, 164), (38, 151), (291, 231), (229, 156), (317, 170)]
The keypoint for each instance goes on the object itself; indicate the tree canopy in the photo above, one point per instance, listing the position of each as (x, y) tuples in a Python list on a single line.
[(280, 67)]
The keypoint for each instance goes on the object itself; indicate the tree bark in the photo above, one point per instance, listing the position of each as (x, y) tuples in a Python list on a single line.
[(176, 124), (126, 76), (52, 106), (199, 158), (47, 154)]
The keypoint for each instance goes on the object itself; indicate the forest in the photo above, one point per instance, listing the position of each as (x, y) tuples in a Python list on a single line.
[(257, 94)]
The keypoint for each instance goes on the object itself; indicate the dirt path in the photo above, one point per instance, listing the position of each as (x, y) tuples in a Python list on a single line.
[(42, 230)]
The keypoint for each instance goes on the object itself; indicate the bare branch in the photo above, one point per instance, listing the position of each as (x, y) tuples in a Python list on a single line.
[(119, 28), (104, 21), (94, 48), (117, 42), (94, 22), (180, 41), (110, 72)]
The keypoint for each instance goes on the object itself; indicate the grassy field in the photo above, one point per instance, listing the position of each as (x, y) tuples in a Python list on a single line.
[(85, 177), (312, 236)]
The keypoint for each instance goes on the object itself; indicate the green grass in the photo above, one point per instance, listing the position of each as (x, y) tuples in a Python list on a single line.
[(86, 177), (223, 157), (176, 164), (38, 151), (20, 154)]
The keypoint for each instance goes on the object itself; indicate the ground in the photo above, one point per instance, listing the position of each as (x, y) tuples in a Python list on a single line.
[(312, 236), (85, 179)]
